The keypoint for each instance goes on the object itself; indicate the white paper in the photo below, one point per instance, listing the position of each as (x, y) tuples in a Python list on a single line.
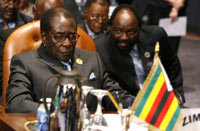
[(176, 28), (111, 9), (114, 123), (191, 119)]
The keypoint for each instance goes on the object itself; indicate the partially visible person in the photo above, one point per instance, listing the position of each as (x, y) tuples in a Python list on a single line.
[(157, 9), (42, 5), (10, 19), (30, 70), (96, 17), (9, 15), (76, 7), (127, 51), (25, 7)]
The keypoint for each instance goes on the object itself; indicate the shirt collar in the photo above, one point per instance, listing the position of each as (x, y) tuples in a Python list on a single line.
[(135, 47), (69, 61), (134, 51), (90, 33), (10, 24)]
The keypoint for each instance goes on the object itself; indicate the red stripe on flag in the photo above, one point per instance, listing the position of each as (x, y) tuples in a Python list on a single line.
[(165, 109), (156, 103)]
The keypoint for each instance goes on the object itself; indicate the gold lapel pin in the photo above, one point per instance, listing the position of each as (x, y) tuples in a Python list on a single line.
[(79, 61), (147, 55)]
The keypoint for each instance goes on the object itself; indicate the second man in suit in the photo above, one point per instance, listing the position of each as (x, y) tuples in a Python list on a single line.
[(127, 51)]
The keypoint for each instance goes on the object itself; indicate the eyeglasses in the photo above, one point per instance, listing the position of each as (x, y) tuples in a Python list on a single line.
[(129, 33), (96, 17), (73, 37)]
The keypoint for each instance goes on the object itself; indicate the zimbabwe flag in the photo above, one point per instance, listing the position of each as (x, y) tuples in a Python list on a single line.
[(156, 102)]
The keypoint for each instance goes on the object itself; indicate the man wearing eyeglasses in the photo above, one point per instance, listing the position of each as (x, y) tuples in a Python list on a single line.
[(30, 70), (127, 51), (96, 17)]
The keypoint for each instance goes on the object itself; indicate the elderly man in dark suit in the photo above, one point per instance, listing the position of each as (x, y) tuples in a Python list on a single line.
[(30, 70), (128, 50), (38, 9)]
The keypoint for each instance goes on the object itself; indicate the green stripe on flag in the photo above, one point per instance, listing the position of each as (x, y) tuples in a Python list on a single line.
[(174, 119), (148, 91)]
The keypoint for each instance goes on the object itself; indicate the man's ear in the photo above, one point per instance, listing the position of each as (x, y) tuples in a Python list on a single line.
[(43, 34)]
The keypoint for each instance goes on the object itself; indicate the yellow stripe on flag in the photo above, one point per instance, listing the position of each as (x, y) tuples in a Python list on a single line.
[(169, 114), (154, 93)]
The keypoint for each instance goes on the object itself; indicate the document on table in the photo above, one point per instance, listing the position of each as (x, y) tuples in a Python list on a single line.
[(176, 28)]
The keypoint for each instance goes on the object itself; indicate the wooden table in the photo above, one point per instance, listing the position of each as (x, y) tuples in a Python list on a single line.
[(15, 121)]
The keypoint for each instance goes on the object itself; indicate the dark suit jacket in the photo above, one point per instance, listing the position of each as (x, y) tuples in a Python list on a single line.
[(21, 20), (124, 72), (30, 71), (3, 37), (83, 26)]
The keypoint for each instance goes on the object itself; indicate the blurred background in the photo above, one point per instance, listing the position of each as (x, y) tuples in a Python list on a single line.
[(193, 9), (189, 51)]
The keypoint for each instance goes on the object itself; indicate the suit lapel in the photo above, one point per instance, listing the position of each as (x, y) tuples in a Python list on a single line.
[(55, 64), (146, 53), (48, 60), (77, 61)]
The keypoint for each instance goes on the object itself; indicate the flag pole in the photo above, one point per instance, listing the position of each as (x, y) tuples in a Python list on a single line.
[(157, 49), (156, 55), (146, 82)]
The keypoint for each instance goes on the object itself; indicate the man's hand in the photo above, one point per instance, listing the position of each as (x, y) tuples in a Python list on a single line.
[(176, 5), (173, 14)]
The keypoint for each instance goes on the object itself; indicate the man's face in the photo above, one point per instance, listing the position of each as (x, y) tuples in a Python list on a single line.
[(8, 9), (125, 29), (60, 41), (97, 17)]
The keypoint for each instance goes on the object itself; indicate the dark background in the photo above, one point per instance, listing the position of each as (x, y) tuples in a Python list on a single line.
[(193, 14)]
